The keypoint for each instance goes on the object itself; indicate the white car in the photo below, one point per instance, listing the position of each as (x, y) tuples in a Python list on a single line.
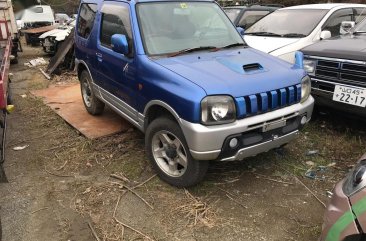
[(40, 15), (288, 30), (51, 40)]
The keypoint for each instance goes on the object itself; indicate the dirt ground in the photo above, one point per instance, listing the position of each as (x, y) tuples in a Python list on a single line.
[(60, 186)]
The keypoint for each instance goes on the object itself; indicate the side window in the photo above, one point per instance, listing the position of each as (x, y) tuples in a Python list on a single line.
[(115, 20), (334, 22), (86, 19), (360, 14), (250, 17)]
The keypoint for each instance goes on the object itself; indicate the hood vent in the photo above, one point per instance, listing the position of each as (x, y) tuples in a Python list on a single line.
[(252, 67)]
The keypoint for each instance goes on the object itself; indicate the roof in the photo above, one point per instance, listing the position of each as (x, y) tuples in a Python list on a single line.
[(325, 6)]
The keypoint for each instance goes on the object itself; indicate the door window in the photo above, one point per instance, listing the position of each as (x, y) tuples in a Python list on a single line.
[(115, 20), (86, 19), (334, 22)]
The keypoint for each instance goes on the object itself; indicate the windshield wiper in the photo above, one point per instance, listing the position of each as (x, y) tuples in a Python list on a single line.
[(233, 45), (230, 46), (294, 35), (358, 32), (190, 50), (264, 34)]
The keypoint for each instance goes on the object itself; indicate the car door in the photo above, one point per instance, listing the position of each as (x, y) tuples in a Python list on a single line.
[(84, 40), (333, 24), (116, 71)]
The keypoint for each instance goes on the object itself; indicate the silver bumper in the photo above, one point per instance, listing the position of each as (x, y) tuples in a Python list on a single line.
[(263, 147), (205, 142)]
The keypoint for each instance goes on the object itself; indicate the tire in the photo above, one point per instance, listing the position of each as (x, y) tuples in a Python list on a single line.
[(92, 104), (169, 154)]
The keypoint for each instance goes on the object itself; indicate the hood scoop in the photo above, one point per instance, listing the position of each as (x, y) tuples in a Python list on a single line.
[(241, 64), (252, 67)]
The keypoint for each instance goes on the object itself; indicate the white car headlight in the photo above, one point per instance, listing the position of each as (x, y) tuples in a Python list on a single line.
[(217, 110), (309, 66), (305, 88)]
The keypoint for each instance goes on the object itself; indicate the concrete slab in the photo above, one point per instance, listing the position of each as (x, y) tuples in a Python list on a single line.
[(67, 102)]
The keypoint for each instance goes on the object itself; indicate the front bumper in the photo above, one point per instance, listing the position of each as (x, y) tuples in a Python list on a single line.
[(211, 142), (323, 91)]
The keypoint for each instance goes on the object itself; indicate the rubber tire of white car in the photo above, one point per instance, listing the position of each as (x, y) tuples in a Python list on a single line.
[(96, 106), (195, 170)]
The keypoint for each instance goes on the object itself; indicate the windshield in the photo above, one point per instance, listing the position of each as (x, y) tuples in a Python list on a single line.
[(232, 13), (288, 23), (169, 27)]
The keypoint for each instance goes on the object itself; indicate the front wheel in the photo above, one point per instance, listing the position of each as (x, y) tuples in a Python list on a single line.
[(169, 154)]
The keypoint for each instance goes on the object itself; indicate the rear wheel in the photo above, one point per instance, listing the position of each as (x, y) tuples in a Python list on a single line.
[(92, 104), (169, 154)]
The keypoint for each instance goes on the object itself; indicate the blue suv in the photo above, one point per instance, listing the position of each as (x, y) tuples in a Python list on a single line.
[(182, 74)]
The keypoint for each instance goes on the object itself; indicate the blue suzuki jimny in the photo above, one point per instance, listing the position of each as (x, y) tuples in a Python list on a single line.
[(182, 74)]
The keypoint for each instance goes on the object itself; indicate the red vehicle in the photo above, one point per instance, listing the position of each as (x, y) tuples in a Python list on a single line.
[(345, 218)]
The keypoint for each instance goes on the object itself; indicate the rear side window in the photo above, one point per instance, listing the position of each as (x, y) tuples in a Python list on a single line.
[(86, 19), (115, 20)]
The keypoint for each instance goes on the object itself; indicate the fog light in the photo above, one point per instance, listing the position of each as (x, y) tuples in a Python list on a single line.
[(303, 120), (233, 143)]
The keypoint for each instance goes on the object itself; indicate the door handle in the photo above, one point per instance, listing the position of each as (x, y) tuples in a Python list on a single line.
[(100, 57)]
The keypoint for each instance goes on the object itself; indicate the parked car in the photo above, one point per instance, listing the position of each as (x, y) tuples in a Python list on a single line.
[(246, 16), (345, 218), (338, 71), (196, 91), (288, 30), (62, 18), (51, 40), (36, 16)]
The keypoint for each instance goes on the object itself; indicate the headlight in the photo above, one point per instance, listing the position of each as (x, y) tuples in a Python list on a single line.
[(218, 110), (309, 66), (305, 88), (356, 179)]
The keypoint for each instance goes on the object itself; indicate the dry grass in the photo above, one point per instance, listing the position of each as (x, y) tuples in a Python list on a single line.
[(197, 211)]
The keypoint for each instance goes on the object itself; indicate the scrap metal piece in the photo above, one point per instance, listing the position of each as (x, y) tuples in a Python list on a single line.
[(65, 54)]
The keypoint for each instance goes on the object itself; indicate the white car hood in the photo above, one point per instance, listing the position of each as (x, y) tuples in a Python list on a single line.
[(268, 44), (60, 34)]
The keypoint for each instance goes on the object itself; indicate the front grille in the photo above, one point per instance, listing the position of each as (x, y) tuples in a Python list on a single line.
[(267, 101), (341, 72)]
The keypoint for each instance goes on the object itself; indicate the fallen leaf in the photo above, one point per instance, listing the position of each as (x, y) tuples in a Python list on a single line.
[(310, 163), (20, 148)]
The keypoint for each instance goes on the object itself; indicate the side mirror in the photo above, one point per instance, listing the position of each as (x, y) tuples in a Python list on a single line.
[(120, 44), (240, 30), (325, 34), (346, 27)]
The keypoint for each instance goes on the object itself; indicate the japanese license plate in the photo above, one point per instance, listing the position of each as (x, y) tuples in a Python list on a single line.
[(274, 125), (350, 95)]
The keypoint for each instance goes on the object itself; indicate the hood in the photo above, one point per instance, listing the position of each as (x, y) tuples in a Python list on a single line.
[(268, 44), (343, 47), (59, 33), (237, 73)]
